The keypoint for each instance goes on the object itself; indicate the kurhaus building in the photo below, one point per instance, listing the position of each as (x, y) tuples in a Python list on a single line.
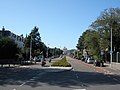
[(19, 40)]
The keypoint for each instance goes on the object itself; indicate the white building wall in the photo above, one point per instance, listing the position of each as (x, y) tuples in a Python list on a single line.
[(18, 40)]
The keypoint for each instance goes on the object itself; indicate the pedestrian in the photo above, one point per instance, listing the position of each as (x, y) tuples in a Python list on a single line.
[(49, 60), (35, 59), (43, 61)]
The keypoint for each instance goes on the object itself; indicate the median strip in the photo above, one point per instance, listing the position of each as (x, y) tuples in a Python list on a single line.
[(58, 66)]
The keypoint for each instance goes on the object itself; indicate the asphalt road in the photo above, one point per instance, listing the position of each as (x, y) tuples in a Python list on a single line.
[(82, 77), (94, 78)]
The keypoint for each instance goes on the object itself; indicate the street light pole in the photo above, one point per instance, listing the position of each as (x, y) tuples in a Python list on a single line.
[(31, 49), (111, 48), (77, 53), (47, 50)]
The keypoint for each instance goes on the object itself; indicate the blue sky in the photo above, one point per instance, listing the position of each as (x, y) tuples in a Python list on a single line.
[(60, 22)]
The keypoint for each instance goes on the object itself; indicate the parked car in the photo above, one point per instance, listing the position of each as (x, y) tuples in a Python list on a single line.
[(86, 59), (38, 58), (99, 63), (90, 61), (82, 59)]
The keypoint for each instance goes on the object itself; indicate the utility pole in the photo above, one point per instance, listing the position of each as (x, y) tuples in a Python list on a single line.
[(31, 49), (111, 52), (48, 51)]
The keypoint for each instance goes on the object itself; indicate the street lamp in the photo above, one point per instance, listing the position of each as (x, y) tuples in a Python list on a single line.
[(47, 50), (111, 45), (77, 53), (31, 48), (111, 48), (60, 51)]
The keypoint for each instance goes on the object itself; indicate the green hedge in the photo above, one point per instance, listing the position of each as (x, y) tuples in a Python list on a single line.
[(61, 63)]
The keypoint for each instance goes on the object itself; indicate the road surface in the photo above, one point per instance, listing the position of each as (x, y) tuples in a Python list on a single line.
[(81, 77)]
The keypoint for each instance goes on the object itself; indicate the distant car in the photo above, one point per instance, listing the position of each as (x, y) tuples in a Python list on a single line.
[(38, 59), (25, 62), (52, 57), (56, 56)]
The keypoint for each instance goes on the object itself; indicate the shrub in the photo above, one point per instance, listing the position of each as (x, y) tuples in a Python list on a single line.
[(61, 63)]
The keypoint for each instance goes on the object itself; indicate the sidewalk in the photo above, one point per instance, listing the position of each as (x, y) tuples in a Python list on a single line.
[(108, 69), (114, 68)]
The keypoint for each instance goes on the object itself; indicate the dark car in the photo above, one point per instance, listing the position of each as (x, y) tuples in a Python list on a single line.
[(82, 59), (99, 63)]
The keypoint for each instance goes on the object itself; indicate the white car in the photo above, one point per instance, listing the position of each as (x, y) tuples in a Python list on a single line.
[(90, 60)]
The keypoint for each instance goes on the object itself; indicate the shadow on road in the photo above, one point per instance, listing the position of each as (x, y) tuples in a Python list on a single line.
[(17, 76), (70, 78)]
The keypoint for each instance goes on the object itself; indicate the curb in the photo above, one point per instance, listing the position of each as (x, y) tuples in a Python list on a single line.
[(57, 69)]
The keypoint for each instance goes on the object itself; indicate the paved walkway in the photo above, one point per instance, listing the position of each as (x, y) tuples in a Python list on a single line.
[(114, 68), (107, 69)]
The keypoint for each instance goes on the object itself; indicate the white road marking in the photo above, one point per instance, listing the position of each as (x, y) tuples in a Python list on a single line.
[(31, 79), (79, 89), (76, 76), (75, 73), (82, 85), (39, 74), (115, 79), (106, 73), (14, 89), (35, 77), (22, 84)]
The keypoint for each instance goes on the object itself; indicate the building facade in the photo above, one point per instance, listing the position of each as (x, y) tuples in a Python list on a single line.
[(19, 40), (65, 51)]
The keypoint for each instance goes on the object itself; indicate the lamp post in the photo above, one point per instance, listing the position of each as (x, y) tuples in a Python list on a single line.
[(60, 51), (111, 48), (47, 50), (31, 48), (77, 53)]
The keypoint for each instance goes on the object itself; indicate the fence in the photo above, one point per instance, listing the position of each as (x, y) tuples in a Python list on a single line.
[(116, 57)]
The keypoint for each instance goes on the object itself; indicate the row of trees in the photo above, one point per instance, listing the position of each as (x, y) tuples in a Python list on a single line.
[(37, 46), (97, 37), (9, 52)]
